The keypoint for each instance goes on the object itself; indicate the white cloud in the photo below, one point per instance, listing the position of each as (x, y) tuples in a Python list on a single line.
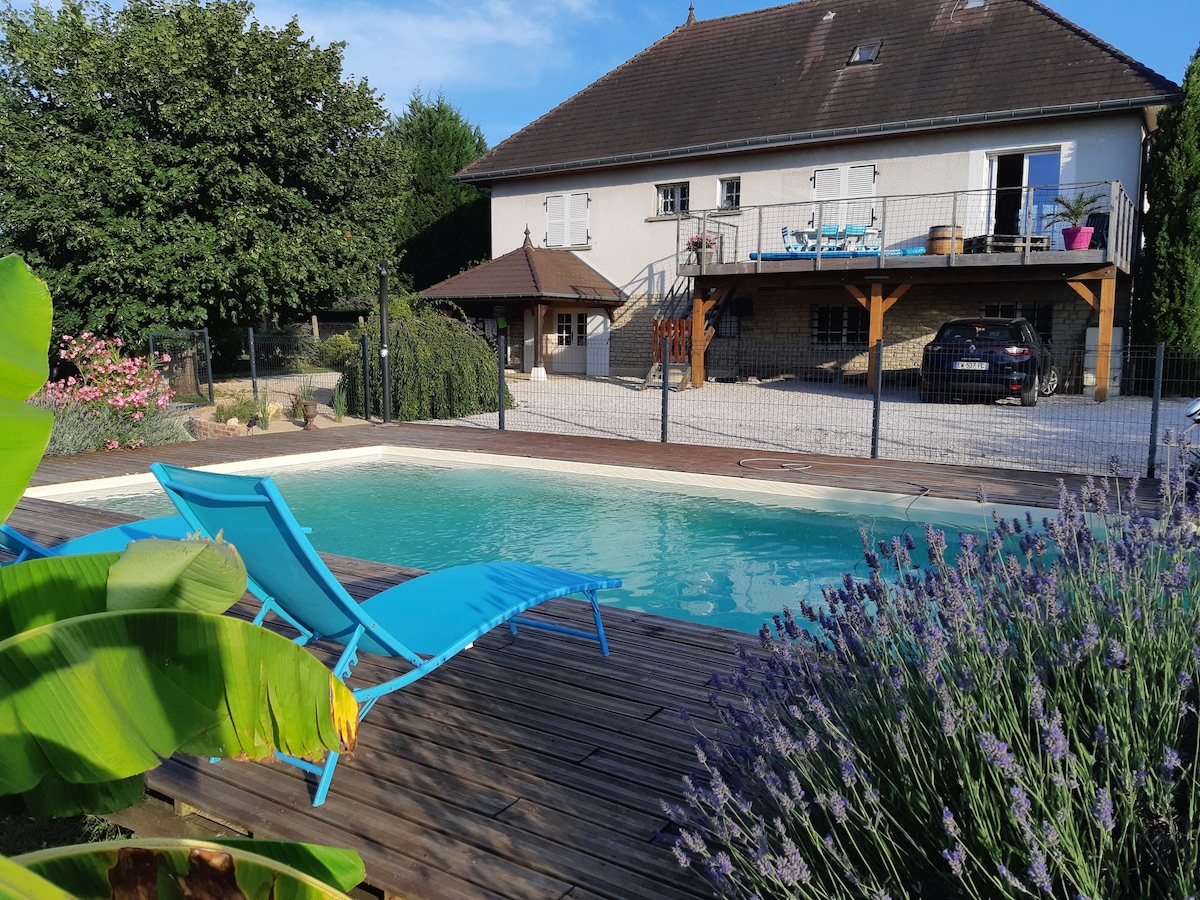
[(447, 45)]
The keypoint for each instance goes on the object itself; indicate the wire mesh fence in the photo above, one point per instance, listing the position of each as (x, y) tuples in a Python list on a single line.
[(283, 370), (880, 228), (787, 402)]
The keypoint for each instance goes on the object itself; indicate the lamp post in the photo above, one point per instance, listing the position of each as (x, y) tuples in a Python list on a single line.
[(383, 342)]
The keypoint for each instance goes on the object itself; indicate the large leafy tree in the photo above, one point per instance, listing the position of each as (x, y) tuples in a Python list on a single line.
[(447, 226), (1169, 278), (174, 162)]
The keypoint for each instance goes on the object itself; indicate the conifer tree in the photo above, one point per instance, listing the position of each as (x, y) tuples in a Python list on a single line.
[(447, 226), (1168, 284)]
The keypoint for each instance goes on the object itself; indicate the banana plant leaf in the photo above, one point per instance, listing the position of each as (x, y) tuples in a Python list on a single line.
[(335, 866), (170, 869), (26, 312), (93, 693), (18, 882)]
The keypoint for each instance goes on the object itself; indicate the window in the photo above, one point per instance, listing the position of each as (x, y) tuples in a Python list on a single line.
[(866, 52), (854, 189), (1024, 184), (731, 193), (846, 325), (729, 326), (571, 330), (567, 220), (673, 198)]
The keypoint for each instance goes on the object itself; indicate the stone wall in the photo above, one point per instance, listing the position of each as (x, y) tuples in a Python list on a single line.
[(206, 429), (777, 336)]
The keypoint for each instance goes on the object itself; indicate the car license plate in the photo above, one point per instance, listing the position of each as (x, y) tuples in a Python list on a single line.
[(970, 365)]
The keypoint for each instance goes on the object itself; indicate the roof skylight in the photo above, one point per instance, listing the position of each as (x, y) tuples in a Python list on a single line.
[(866, 52)]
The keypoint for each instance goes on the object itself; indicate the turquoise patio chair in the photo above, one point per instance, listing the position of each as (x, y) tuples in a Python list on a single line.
[(422, 622), (107, 540), (833, 237)]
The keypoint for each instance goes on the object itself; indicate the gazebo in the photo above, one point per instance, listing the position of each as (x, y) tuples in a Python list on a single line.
[(564, 306)]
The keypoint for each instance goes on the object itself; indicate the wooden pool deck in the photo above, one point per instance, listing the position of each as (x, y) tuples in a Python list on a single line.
[(527, 767)]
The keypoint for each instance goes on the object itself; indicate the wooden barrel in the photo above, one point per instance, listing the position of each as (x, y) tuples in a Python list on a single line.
[(939, 239)]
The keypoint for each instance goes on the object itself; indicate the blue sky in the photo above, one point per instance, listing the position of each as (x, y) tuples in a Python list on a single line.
[(504, 63)]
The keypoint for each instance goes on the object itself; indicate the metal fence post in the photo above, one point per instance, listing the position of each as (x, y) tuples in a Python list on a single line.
[(366, 377), (383, 350), (500, 354), (1158, 380), (666, 380), (212, 394), (253, 363), (878, 399)]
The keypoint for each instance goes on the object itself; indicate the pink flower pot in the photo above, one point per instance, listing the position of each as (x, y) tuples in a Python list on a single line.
[(1077, 238)]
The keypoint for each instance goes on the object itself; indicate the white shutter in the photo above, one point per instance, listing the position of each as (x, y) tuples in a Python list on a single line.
[(861, 182), (556, 220), (827, 184), (577, 220)]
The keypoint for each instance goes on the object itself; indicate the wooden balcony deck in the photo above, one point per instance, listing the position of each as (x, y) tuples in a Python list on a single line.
[(527, 767)]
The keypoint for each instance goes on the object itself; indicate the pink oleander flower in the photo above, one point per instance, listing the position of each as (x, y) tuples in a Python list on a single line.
[(112, 445)]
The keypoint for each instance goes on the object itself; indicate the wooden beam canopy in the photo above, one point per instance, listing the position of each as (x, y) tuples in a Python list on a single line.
[(876, 305)]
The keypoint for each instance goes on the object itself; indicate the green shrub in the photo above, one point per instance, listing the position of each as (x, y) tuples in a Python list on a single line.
[(338, 403), (441, 368), (338, 351), (241, 406)]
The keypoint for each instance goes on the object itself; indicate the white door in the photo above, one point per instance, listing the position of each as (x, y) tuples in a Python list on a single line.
[(568, 348), (597, 342)]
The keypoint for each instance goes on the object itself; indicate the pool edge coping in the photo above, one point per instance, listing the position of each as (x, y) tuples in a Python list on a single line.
[(914, 504)]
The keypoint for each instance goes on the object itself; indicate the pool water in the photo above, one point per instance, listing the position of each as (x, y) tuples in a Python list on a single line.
[(733, 561)]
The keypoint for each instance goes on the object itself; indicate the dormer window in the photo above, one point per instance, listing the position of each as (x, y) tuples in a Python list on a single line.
[(866, 52)]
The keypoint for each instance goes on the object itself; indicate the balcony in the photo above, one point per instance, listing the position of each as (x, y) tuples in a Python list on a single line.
[(958, 229)]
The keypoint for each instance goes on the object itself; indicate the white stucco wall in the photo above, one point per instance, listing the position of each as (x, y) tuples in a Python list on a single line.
[(636, 250)]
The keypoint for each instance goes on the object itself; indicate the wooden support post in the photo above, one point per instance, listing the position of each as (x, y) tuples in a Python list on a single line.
[(1104, 304), (1108, 293), (700, 308), (876, 305)]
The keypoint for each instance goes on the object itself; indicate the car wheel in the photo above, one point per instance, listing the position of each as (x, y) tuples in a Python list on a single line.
[(1050, 385), (1029, 392), (927, 395)]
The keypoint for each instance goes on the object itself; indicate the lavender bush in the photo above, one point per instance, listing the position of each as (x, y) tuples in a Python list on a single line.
[(1020, 721)]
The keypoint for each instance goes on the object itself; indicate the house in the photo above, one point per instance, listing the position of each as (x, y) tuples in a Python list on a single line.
[(820, 177)]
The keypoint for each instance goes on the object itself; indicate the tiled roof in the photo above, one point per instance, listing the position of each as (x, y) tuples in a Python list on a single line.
[(780, 76), (530, 273)]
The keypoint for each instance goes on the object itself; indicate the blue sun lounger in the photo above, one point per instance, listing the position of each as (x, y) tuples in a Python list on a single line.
[(105, 541), (422, 622)]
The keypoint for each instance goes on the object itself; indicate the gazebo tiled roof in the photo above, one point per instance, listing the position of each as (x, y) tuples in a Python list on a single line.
[(782, 77), (533, 274)]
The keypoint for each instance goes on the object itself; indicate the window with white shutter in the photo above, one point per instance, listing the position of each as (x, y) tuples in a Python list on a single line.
[(567, 220), (853, 186)]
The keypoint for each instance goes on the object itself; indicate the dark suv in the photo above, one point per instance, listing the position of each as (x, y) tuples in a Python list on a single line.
[(987, 357)]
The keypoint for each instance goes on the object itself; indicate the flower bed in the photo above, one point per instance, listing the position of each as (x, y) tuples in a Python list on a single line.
[(1018, 718), (108, 401)]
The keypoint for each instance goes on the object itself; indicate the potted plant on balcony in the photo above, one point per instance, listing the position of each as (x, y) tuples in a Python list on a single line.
[(1072, 212), (704, 243)]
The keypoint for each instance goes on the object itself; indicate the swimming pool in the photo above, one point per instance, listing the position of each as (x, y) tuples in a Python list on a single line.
[(723, 551)]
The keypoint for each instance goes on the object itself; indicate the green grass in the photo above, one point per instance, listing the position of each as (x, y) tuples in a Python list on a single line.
[(21, 835)]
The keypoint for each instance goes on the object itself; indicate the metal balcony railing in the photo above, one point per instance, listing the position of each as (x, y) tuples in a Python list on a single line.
[(1024, 226)]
